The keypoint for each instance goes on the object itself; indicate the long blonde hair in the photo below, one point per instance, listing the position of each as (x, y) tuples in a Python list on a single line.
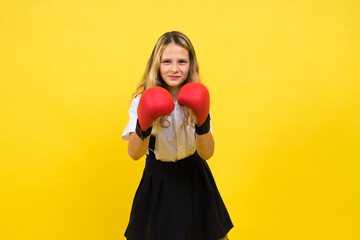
[(152, 77)]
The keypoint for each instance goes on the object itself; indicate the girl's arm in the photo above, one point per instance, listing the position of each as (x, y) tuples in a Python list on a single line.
[(196, 97), (205, 145), (204, 142), (154, 103), (137, 147)]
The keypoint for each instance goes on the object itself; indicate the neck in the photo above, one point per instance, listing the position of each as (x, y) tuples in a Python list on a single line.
[(173, 91)]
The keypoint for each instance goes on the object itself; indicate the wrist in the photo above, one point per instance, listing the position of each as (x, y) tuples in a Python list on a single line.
[(204, 128), (141, 133)]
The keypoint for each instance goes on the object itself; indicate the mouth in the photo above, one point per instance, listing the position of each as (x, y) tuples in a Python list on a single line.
[(174, 77)]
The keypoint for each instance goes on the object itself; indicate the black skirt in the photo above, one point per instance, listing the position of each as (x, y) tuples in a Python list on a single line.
[(178, 201)]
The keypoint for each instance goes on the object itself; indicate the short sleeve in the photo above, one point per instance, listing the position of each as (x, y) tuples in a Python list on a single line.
[(131, 126)]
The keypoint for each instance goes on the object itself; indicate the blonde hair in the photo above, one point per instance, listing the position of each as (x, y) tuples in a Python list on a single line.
[(152, 77)]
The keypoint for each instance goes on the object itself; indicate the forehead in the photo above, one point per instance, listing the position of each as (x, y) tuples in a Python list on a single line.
[(174, 51)]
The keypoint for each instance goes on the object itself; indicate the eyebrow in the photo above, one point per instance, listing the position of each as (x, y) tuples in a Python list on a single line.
[(186, 59)]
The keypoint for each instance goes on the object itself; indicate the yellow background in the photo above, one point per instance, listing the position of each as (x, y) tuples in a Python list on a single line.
[(284, 83)]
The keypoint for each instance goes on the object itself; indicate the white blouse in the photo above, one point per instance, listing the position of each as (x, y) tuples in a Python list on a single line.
[(172, 143)]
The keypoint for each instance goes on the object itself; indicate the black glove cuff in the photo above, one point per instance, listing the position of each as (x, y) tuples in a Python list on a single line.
[(204, 128), (142, 134)]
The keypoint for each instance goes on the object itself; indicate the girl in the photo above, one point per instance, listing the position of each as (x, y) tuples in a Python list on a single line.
[(177, 198)]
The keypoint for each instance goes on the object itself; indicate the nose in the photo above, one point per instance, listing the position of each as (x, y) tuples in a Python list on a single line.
[(175, 67)]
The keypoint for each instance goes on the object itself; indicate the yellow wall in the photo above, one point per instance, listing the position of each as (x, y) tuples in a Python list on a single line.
[(284, 82)]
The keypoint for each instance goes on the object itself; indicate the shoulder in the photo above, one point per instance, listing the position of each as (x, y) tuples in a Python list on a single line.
[(135, 100), (134, 105)]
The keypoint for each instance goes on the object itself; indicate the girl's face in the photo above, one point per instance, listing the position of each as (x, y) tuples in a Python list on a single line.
[(174, 65)]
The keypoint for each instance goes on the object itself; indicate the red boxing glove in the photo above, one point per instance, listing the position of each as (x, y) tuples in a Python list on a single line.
[(196, 96), (154, 103)]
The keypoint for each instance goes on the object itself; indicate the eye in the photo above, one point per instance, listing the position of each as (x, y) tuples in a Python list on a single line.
[(166, 61), (183, 61)]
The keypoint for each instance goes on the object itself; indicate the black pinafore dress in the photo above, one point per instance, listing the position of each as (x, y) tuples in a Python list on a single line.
[(177, 201)]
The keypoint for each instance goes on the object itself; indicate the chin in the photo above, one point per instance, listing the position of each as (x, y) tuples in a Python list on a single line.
[(174, 84)]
